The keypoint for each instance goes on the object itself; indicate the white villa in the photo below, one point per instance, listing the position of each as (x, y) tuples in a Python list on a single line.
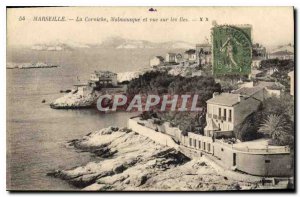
[(170, 57), (102, 78), (225, 111)]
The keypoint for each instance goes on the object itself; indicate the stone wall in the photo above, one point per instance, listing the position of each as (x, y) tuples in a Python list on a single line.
[(253, 163), (152, 134), (264, 164)]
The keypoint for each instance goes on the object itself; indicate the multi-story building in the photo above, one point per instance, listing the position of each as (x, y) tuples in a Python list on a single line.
[(226, 110), (203, 52), (100, 79), (171, 57), (259, 53)]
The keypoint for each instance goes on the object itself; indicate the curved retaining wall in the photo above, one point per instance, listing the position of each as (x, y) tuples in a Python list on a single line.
[(254, 163)]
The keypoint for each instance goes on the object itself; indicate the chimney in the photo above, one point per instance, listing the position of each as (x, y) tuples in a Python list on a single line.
[(215, 94), (239, 98)]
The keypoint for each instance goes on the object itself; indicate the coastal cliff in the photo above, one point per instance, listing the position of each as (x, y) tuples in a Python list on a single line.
[(133, 162)]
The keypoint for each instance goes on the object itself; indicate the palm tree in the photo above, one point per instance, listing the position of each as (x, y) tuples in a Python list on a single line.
[(276, 128)]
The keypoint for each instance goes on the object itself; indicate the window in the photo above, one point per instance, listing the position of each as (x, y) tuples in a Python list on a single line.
[(219, 112), (230, 116), (267, 161), (208, 147), (190, 141), (199, 144), (204, 146), (222, 149), (195, 143), (225, 114)]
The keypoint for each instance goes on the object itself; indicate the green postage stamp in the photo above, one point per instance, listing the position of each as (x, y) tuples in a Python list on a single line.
[(232, 50)]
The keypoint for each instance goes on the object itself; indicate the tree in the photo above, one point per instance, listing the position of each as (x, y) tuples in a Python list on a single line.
[(161, 83), (248, 129), (276, 127)]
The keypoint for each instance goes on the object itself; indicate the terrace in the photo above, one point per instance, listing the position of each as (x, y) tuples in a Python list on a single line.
[(259, 146)]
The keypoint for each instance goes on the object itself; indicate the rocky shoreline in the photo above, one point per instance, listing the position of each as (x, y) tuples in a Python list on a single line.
[(134, 162), (74, 100)]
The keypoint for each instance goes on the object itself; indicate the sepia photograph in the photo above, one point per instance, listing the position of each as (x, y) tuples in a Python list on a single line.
[(144, 99)]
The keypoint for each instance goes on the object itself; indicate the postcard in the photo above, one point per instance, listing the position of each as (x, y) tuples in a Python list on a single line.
[(150, 99)]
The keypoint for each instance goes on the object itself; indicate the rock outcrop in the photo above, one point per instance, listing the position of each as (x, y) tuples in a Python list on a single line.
[(74, 100), (133, 162)]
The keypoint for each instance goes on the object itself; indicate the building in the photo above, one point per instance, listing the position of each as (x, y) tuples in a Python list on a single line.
[(260, 90), (255, 157), (256, 73), (190, 55), (82, 89), (100, 79), (171, 57), (259, 53), (226, 110), (156, 61), (281, 55), (178, 58), (292, 82), (203, 52), (285, 52)]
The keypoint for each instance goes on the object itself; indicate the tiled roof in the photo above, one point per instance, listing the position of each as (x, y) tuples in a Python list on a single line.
[(190, 51), (268, 84), (104, 72), (259, 86), (226, 99), (171, 54), (81, 84), (248, 91)]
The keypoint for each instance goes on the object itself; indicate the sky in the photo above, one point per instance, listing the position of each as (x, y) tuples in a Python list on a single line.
[(271, 25)]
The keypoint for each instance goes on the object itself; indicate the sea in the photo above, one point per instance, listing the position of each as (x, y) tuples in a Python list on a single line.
[(36, 134)]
